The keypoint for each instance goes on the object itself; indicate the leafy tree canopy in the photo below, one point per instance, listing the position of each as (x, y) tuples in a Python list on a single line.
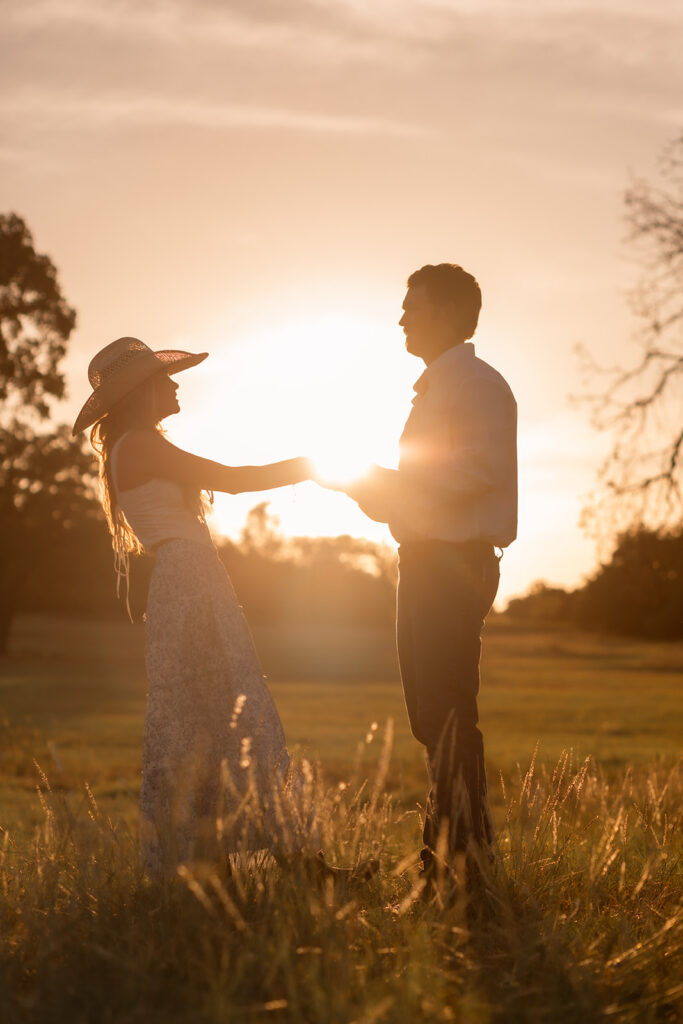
[(46, 482), (35, 323)]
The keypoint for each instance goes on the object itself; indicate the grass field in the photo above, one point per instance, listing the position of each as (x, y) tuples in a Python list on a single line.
[(578, 919)]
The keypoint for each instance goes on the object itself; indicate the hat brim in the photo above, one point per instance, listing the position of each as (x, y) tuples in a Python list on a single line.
[(176, 360), (99, 403)]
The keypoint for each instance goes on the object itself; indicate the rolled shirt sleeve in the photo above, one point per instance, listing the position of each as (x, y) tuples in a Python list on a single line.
[(457, 475), (458, 465)]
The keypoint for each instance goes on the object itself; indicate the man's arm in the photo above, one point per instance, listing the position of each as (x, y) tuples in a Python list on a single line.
[(472, 454)]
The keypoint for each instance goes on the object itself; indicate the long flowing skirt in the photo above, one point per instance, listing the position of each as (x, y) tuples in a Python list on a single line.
[(214, 755)]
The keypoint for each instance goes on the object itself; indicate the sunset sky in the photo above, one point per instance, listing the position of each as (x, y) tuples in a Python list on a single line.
[(257, 178)]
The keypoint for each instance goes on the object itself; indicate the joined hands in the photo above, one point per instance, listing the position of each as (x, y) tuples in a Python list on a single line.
[(375, 490)]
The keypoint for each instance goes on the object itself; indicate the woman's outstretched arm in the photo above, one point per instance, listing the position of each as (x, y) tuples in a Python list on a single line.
[(145, 455)]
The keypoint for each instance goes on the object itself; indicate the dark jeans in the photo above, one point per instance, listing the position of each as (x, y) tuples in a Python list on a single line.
[(444, 593)]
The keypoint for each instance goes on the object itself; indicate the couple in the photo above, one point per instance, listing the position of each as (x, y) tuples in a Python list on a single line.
[(452, 501)]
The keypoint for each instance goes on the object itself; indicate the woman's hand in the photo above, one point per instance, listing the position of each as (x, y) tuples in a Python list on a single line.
[(302, 469)]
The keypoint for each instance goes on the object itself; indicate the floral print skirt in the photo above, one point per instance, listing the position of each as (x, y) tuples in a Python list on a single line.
[(214, 763)]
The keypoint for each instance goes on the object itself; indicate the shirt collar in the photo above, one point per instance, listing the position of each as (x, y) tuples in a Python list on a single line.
[(454, 356)]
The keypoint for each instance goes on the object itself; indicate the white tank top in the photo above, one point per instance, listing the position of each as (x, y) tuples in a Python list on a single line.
[(156, 510)]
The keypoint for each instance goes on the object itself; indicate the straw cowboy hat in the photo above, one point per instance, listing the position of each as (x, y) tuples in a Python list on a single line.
[(118, 368)]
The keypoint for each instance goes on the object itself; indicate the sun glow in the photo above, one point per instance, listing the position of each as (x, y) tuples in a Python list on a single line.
[(337, 468), (334, 388), (338, 389)]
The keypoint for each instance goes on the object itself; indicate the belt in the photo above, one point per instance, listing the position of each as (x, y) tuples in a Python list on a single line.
[(480, 548)]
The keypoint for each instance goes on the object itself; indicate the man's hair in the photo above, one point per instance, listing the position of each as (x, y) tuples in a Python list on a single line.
[(447, 282)]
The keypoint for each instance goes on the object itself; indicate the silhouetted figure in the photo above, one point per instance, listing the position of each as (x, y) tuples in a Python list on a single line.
[(450, 504), (212, 731)]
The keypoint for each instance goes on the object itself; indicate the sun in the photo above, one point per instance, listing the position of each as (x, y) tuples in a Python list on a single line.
[(336, 467), (336, 388)]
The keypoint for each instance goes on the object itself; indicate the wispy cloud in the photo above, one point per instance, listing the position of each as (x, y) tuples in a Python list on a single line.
[(321, 33), (65, 112), (14, 155), (580, 46), (346, 29), (672, 117)]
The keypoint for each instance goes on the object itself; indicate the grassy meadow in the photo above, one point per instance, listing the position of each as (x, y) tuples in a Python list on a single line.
[(579, 917)]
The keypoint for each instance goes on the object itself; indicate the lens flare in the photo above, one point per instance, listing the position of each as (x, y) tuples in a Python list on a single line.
[(336, 468)]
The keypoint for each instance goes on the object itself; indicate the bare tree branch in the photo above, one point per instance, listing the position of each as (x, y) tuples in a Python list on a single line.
[(641, 480)]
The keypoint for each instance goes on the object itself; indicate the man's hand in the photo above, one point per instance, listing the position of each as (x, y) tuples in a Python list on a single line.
[(377, 493)]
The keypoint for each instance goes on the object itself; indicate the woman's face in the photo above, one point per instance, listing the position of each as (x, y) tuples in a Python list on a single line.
[(165, 399)]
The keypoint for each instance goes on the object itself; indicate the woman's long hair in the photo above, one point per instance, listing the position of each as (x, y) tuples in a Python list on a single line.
[(135, 411), (103, 437)]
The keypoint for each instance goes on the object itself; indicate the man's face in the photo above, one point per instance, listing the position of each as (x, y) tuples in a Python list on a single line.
[(422, 323)]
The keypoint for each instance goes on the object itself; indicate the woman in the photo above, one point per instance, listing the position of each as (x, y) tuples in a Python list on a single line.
[(212, 732)]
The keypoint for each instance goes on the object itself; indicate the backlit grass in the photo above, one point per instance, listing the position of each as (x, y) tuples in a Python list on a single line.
[(578, 918)]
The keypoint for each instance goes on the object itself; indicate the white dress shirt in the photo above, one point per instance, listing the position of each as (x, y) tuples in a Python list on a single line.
[(458, 455)]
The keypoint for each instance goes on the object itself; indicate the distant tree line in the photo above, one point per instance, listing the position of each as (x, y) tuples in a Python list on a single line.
[(639, 592), (55, 552), (308, 580), (350, 581)]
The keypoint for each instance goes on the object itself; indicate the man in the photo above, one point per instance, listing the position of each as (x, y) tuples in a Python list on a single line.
[(450, 504)]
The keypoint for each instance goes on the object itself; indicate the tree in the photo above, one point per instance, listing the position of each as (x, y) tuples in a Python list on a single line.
[(543, 605), (641, 480), (309, 579), (46, 482), (639, 592)]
